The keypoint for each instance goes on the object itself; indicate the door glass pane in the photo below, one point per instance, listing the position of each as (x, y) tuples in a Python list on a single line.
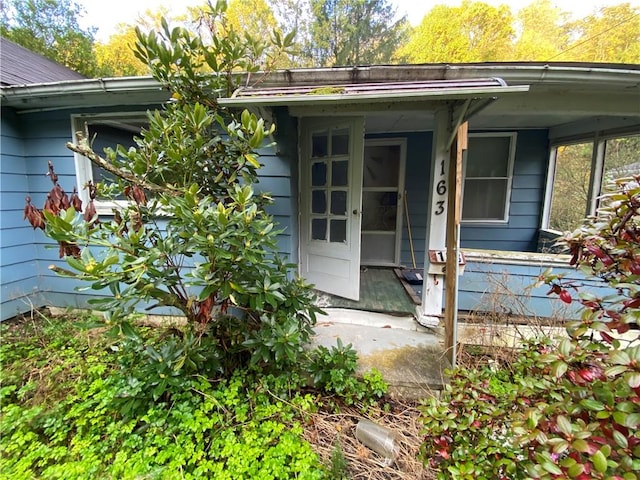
[(340, 173), (570, 186), (339, 202), (319, 201), (319, 174), (338, 231), (340, 142), (381, 166), (319, 229), (319, 142), (379, 210)]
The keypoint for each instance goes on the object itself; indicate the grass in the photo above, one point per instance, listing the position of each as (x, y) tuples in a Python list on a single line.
[(63, 386)]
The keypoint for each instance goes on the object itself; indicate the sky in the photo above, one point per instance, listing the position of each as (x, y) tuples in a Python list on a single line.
[(107, 14)]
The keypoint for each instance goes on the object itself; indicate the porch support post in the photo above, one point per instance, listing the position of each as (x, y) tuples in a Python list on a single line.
[(454, 215), (430, 312)]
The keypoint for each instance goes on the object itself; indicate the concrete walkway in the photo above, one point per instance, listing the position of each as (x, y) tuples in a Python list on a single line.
[(409, 357)]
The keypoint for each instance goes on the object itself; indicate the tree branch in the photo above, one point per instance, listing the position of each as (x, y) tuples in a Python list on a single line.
[(85, 150)]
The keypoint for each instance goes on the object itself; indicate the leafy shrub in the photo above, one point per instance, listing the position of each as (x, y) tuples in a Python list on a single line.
[(334, 371), (193, 236), (568, 408), (248, 426)]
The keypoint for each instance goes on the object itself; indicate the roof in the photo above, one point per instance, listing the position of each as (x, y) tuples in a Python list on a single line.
[(20, 66), (393, 97), (360, 93)]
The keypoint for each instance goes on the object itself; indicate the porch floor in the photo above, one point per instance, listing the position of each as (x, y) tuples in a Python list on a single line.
[(380, 291), (410, 357)]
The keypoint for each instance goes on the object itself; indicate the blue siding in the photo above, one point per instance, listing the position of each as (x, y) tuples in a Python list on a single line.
[(29, 141), (19, 268), (509, 288)]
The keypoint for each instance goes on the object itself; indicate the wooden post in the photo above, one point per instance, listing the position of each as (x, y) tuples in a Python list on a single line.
[(454, 213)]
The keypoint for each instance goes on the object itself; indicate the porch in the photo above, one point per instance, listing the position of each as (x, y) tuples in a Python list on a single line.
[(381, 327)]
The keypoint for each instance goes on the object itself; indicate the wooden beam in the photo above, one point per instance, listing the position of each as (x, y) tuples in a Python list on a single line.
[(454, 213)]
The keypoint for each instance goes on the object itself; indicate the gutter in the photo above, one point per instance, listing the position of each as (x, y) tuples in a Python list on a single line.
[(53, 93)]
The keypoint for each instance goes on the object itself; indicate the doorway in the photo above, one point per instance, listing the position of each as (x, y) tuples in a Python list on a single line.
[(382, 201)]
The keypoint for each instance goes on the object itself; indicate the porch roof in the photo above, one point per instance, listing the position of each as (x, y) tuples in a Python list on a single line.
[(371, 93)]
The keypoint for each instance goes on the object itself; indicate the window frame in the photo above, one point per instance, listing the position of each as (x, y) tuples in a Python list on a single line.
[(513, 137), (598, 141), (83, 166)]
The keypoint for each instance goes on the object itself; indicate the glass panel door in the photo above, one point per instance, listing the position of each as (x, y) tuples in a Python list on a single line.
[(330, 199)]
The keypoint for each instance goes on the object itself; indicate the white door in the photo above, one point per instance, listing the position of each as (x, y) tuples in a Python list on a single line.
[(331, 153)]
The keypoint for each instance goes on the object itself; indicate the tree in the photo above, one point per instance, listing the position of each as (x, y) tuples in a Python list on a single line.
[(116, 57), (193, 236), (472, 32), (610, 35), (544, 32), (50, 28), (295, 16), (355, 32)]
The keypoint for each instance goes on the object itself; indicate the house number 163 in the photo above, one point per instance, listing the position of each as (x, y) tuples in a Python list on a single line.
[(441, 189)]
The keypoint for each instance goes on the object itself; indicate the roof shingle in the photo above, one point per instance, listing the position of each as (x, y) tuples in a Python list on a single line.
[(20, 66)]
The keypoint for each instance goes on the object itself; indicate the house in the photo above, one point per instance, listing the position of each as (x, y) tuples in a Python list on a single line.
[(360, 171)]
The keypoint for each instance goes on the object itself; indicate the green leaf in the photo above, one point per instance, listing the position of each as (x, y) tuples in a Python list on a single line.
[(620, 439), (599, 461), (564, 424), (558, 368), (592, 405), (619, 357), (633, 379)]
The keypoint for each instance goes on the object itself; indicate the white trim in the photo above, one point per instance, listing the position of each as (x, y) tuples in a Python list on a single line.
[(597, 171), (548, 189), (84, 171), (512, 154)]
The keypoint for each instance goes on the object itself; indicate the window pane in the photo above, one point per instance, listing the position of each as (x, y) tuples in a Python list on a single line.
[(570, 195), (319, 174), (484, 199), (621, 158), (381, 166), (319, 146), (488, 157), (379, 210), (339, 202), (338, 231), (109, 133), (319, 201), (319, 229), (340, 142), (340, 173)]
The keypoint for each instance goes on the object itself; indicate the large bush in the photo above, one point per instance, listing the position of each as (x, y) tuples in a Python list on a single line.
[(193, 235), (567, 408)]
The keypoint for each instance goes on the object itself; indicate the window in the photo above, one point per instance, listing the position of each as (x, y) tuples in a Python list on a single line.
[(579, 171), (487, 179), (102, 131)]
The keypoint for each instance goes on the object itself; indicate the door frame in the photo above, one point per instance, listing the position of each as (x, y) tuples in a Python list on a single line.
[(402, 142)]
